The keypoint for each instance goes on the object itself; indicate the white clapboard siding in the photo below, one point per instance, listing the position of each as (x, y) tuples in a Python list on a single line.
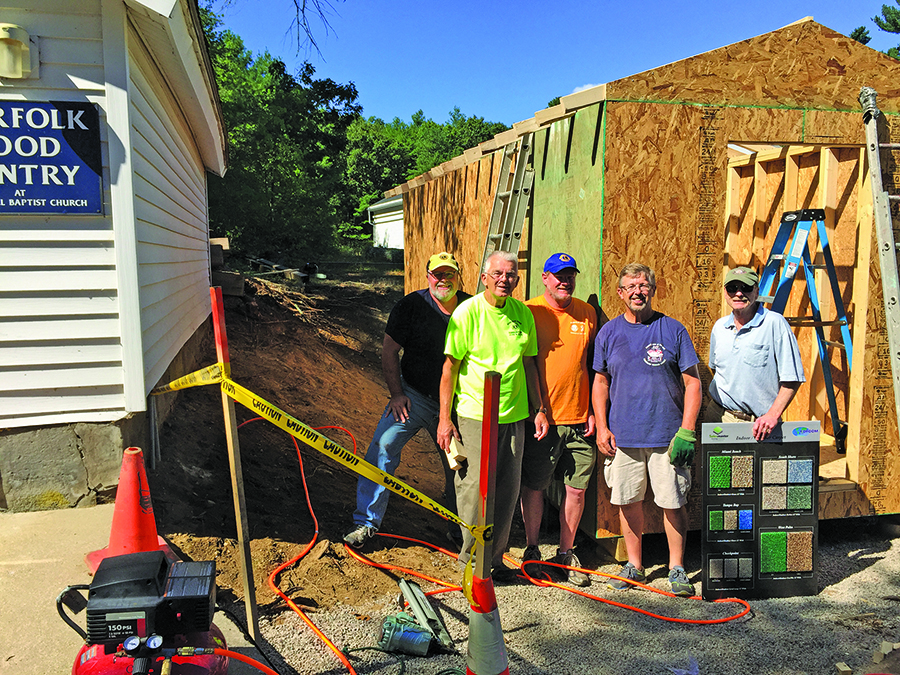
[(58, 281), (62, 352), (67, 417), (60, 399), (60, 335), (78, 328), (46, 378), (48, 235), (172, 234), (61, 255), (51, 304)]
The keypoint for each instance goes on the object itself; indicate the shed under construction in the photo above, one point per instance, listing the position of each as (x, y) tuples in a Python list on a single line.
[(688, 168)]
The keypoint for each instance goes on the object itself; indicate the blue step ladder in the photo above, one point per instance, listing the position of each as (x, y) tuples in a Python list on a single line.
[(790, 251)]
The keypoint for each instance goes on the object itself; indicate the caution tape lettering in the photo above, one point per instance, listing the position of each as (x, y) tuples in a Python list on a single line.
[(317, 441)]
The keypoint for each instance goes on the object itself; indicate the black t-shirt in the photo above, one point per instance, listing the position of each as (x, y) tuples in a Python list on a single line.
[(419, 326)]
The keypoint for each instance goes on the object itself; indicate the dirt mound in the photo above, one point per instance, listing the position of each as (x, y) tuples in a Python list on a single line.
[(316, 355)]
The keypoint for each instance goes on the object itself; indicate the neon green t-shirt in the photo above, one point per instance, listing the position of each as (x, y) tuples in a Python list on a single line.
[(487, 338)]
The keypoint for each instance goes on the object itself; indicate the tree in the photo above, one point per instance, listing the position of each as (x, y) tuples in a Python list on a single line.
[(861, 35), (553, 101), (889, 21), (380, 155), (286, 135)]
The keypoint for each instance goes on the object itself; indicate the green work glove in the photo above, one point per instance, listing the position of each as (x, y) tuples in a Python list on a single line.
[(681, 449)]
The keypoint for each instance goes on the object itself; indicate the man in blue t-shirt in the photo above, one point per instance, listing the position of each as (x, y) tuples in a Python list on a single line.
[(646, 398), (417, 326)]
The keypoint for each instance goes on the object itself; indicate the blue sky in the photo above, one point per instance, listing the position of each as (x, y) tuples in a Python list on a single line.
[(504, 60)]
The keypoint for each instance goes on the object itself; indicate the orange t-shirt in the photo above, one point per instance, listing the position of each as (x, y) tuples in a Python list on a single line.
[(564, 338)]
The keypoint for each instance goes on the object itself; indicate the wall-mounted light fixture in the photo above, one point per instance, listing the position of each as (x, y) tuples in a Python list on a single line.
[(16, 57)]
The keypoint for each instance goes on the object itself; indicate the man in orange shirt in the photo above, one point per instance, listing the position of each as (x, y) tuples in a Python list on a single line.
[(566, 328)]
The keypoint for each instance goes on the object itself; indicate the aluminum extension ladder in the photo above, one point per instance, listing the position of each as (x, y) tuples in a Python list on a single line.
[(783, 264), (510, 201), (884, 232)]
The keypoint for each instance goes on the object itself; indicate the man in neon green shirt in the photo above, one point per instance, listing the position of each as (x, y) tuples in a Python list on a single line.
[(491, 331)]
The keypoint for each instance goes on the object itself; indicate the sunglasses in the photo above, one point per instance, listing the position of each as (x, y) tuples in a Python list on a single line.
[(736, 286)]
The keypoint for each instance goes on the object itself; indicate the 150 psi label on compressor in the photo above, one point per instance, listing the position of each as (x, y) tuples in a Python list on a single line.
[(125, 624)]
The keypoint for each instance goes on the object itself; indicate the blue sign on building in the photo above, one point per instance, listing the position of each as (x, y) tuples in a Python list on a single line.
[(50, 158)]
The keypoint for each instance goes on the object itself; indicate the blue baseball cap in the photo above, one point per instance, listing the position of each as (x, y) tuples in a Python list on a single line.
[(558, 262)]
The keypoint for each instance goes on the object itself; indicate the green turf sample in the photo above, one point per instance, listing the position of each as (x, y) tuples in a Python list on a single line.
[(772, 552), (719, 472)]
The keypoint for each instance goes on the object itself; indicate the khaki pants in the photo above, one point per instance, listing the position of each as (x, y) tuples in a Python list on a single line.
[(716, 413)]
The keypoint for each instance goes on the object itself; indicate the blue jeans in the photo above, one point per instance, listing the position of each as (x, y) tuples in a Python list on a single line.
[(384, 452)]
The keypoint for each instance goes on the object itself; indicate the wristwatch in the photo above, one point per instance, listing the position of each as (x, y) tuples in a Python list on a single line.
[(540, 410)]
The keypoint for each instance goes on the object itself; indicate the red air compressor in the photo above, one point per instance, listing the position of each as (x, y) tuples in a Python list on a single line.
[(146, 614)]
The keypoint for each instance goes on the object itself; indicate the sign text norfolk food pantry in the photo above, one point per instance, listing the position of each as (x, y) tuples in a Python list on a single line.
[(50, 158)]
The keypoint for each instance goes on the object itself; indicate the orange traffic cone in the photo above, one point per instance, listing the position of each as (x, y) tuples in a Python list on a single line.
[(133, 525)]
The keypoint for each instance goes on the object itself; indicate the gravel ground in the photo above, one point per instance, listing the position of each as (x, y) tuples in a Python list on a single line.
[(551, 631)]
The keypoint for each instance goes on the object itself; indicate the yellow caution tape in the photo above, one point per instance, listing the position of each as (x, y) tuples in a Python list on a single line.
[(317, 441), (209, 375)]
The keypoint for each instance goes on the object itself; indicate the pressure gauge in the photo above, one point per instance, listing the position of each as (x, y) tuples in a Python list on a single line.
[(132, 643)]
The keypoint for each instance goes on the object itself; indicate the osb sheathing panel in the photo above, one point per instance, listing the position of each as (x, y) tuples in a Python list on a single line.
[(566, 213), (804, 65), (449, 213)]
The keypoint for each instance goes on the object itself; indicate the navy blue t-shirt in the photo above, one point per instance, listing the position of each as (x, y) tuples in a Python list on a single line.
[(419, 326), (644, 362)]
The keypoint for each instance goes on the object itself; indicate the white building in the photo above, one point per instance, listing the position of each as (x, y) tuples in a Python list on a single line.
[(386, 217), (99, 292)]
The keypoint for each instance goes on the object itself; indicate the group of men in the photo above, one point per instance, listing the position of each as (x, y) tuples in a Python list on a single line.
[(630, 390)]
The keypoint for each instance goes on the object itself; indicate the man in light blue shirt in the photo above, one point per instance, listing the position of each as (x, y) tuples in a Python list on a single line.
[(755, 358)]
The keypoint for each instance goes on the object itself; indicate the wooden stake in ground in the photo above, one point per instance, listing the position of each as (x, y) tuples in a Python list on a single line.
[(234, 462)]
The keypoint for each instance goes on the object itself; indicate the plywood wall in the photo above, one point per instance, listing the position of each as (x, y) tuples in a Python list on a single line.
[(450, 213), (568, 199), (805, 65), (650, 182)]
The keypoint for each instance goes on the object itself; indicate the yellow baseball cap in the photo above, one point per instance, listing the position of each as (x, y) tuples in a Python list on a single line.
[(442, 259)]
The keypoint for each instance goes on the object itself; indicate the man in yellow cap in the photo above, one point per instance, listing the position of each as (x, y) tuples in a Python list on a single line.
[(417, 325)]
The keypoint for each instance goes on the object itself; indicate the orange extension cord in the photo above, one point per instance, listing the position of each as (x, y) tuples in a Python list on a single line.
[(448, 587)]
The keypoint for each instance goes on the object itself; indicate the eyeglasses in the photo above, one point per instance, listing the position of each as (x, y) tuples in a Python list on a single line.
[(735, 286), (442, 276), (631, 288), (498, 275)]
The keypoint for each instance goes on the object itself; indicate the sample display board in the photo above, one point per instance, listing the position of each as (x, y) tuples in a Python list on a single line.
[(760, 507)]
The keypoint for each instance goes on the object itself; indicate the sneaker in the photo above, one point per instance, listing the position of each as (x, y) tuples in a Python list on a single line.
[(569, 559), (628, 571), (359, 536), (678, 579), (532, 553)]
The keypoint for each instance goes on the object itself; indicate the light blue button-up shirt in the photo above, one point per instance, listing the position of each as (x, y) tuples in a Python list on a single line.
[(751, 363)]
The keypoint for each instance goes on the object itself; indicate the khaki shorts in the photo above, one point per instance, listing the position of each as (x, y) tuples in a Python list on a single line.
[(563, 453), (626, 474)]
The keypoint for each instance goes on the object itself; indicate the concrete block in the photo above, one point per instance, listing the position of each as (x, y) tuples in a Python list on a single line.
[(42, 469), (101, 445), (842, 668)]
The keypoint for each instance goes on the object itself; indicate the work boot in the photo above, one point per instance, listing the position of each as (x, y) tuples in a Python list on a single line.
[(628, 571), (569, 559), (360, 535)]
